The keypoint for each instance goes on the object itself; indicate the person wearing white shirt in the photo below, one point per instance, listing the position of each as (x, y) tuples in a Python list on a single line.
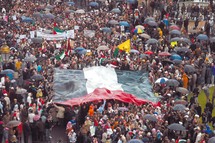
[(31, 117), (199, 134), (29, 98)]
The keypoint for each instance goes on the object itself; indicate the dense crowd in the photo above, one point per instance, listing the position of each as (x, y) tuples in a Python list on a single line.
[(176, 68)]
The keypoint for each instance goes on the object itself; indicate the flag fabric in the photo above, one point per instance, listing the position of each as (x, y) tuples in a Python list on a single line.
[(58, 30), (116, 52), (60, 56), (69, 84), (125, 46), (68, 47)]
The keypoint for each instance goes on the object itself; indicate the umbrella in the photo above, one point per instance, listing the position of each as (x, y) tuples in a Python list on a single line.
[(79, 49), (149, 19), (124, 23), (152, 41), (80, 11), (202, 37), (164, 54), (49, 16), (189, 69), (135, 141), (71, 3), (182, 141), (93, 4), (106, 29), (176, 32), (182, 49), (185, 40), (113, 22), (37, 15), (13, 123), (150, 117), (30, 58), (82, 52), (161, 80), (131, 1), (58, 19), (20, 91), (134, 51), (176, 57), (50, 7), (179, 107), (176, 127), (138, 31), (182, 90), (143, 56), (165, 62), (122, 109), (27, 20), (212, 39), (177, 62), (37, 77), (140, 26), (174, 27), (181, 102), (144, 35), (152, 23), (172, 82), (103, 47), (37, 40), (116, 10), (149, 52), (211, 140), (7, 71)]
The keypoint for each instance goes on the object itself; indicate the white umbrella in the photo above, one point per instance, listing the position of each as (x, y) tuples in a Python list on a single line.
[(80, 11), (103, 47), (146, 36), (161, 80), (140, 26)]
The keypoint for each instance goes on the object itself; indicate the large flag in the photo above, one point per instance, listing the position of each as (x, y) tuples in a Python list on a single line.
[(125, 46), (60, 56), (70, 84)]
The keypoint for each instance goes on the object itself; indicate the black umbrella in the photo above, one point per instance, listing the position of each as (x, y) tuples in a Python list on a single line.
[(152, 23), (182, 90), (182, 49), (150, 117), (172, 82), (179, 107), (177, 62), (13, 123), (135, 141), (152, 41), (189, 69), (37, 77), (165, 62), (176, 127)]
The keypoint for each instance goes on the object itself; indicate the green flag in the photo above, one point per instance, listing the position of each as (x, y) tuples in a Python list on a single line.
[(58, 30), (116, 52), (60, 56)]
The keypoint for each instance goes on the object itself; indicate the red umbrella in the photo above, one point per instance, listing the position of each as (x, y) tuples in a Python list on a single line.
[(174, 27), (164, 54), (148, 52)]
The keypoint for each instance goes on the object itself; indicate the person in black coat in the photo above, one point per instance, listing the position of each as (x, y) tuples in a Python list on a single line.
[(26, 131)]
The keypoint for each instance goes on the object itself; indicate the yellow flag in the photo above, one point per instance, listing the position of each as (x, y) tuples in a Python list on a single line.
[(174, 43), (125, 46)]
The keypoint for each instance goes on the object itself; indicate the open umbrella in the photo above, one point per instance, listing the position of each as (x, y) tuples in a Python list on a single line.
[(134, 51), (144, 56), (93, 4), (161, 80), (152, 41), (179, 107), (202, 37), (131, 1), (37, 77), (211, 140), (21, 91), (146, 36), (152, 23), (182, 90), (83, 52), (182, 49), (175, 32), (7, 71), (175, 57), (49, 16), (149, 19), (150, 117), (124, 23), (184, 40), (189, 69), (174, 27), (103, 47), (177, 62), (165, 62), (135, 141), (79, 49), (30, 58), (113, 22), (164, 54), (149, 52), (106, 29), (13, 123), (27, 20), (140, 26), (71, 3), (172, 82), (176, 127), (80, 11), (116, 10), (37, 15), (138, 31)]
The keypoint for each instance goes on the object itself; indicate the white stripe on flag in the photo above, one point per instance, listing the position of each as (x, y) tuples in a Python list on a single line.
[(101, 77)]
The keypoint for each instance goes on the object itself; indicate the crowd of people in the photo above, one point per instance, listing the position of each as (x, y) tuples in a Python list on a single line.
[(177, 54)]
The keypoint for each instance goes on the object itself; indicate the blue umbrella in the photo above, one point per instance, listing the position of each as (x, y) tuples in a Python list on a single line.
[(131, 1), (124, 23), (135, 141), (27, 19), (49, 16), (176, 32), (37, 14), (9, 73), (116, 10), (202, 37), (176, 57), (71, 3), (93, 4), (106, 29), (152, 23), (82, 52), (134, 51), (78, 49)]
